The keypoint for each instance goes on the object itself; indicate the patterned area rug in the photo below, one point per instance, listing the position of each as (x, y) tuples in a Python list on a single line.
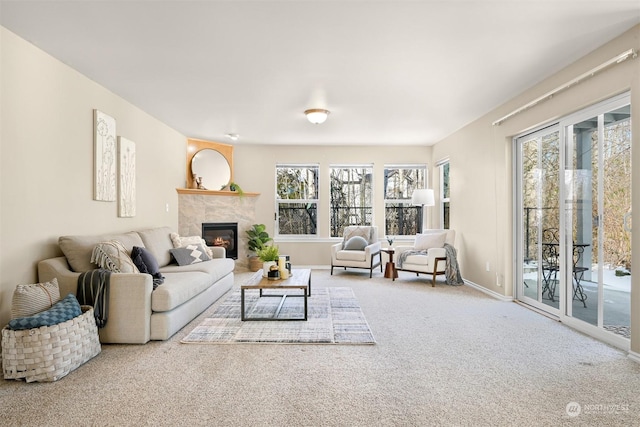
[(334, 317)]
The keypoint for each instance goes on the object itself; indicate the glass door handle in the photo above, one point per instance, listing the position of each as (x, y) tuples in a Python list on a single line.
[(626, 222)]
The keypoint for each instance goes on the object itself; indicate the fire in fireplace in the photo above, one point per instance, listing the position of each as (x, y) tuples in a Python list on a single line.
[(224, 234)]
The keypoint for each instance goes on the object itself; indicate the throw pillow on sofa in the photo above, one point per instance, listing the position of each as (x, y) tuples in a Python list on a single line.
[(182, 241), (63, 310), (190, 254), (31, 299), (113, 256), (147, 263)]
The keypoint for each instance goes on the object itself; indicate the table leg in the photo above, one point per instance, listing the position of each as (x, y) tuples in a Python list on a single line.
[(390, 271), (241, 304), (305, 304)]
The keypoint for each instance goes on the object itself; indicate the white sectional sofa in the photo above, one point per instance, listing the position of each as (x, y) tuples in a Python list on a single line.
[(137, 313)]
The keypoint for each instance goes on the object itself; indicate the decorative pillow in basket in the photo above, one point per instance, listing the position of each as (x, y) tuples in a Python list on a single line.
[(34, 298), (48, 345)]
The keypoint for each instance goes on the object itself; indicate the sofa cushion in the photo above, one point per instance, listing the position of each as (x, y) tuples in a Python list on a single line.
[(417, 259), (63, 310), (158, 242), (146, 263), (216, 268), (428, 241), (351, 255), (78, 249), (113, 256), (356, 243), (31, 299), (179, 288)]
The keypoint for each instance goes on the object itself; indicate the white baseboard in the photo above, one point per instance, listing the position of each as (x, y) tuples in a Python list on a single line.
[(466, 282), (313, 267), (489, 292), (634, 356)]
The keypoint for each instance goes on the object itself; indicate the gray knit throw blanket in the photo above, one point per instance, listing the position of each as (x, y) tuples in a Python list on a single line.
[(452, 270), (93, 290)]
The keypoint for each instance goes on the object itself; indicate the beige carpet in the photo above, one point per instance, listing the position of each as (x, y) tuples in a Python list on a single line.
[(334, 317), (446, 356)]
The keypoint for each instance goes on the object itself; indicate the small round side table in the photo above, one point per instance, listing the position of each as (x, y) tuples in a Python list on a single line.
[(390, 271)]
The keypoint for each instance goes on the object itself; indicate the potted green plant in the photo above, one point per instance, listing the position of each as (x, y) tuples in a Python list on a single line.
[(235, 187), (257, 239), (232, 186), (268, 254)]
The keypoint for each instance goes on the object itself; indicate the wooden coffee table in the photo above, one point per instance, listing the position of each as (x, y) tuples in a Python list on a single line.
[(300, 279)]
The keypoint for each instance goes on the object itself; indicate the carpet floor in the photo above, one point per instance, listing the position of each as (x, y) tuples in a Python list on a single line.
[(444, 356), (334, 317)]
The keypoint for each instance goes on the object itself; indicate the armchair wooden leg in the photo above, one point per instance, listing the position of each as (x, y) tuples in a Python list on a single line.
[(433, 282)]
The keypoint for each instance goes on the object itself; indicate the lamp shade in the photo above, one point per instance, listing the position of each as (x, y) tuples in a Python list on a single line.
[(423, 197), (316, 115)]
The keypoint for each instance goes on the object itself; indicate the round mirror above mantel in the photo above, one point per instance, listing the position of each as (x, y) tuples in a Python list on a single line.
[(211, 161), (212, 167)]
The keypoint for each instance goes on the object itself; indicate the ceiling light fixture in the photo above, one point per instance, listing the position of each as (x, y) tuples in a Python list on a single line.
[(316, 115), (233, 136)]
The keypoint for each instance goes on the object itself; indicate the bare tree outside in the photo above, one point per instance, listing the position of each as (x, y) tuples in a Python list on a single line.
[(402, 218), (351, 197), (541, 191), (297, 198)]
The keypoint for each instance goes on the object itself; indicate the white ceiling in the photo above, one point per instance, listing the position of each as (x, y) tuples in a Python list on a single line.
[(390, 72)]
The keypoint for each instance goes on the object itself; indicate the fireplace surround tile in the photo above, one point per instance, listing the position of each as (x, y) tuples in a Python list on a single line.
[(195, 209)]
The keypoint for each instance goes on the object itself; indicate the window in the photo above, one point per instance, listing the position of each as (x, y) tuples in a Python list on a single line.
[(444, 191), (351, 196), (297, 199), (401, 217)]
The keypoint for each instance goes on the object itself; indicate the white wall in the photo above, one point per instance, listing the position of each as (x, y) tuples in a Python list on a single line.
[(46, 178), (481, 166)]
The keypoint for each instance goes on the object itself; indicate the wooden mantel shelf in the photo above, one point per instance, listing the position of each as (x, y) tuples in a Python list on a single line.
[(214, 192)]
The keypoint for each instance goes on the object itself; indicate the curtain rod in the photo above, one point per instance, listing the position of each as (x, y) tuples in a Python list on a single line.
[(615, 60)]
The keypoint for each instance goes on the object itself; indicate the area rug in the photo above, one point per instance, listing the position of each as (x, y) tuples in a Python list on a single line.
[(334, 317)]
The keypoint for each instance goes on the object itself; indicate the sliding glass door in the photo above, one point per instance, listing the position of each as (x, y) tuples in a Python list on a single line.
[(597, 212), (539, 161), (573, 218)]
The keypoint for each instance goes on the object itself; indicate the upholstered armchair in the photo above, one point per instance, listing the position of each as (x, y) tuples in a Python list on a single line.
[(427, 255), (359, 248)]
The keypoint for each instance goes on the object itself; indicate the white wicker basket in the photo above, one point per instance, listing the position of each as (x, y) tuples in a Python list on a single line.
[(49, 353)]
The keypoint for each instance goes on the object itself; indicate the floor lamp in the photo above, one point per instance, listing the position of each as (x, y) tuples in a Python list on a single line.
[(422, 197)]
